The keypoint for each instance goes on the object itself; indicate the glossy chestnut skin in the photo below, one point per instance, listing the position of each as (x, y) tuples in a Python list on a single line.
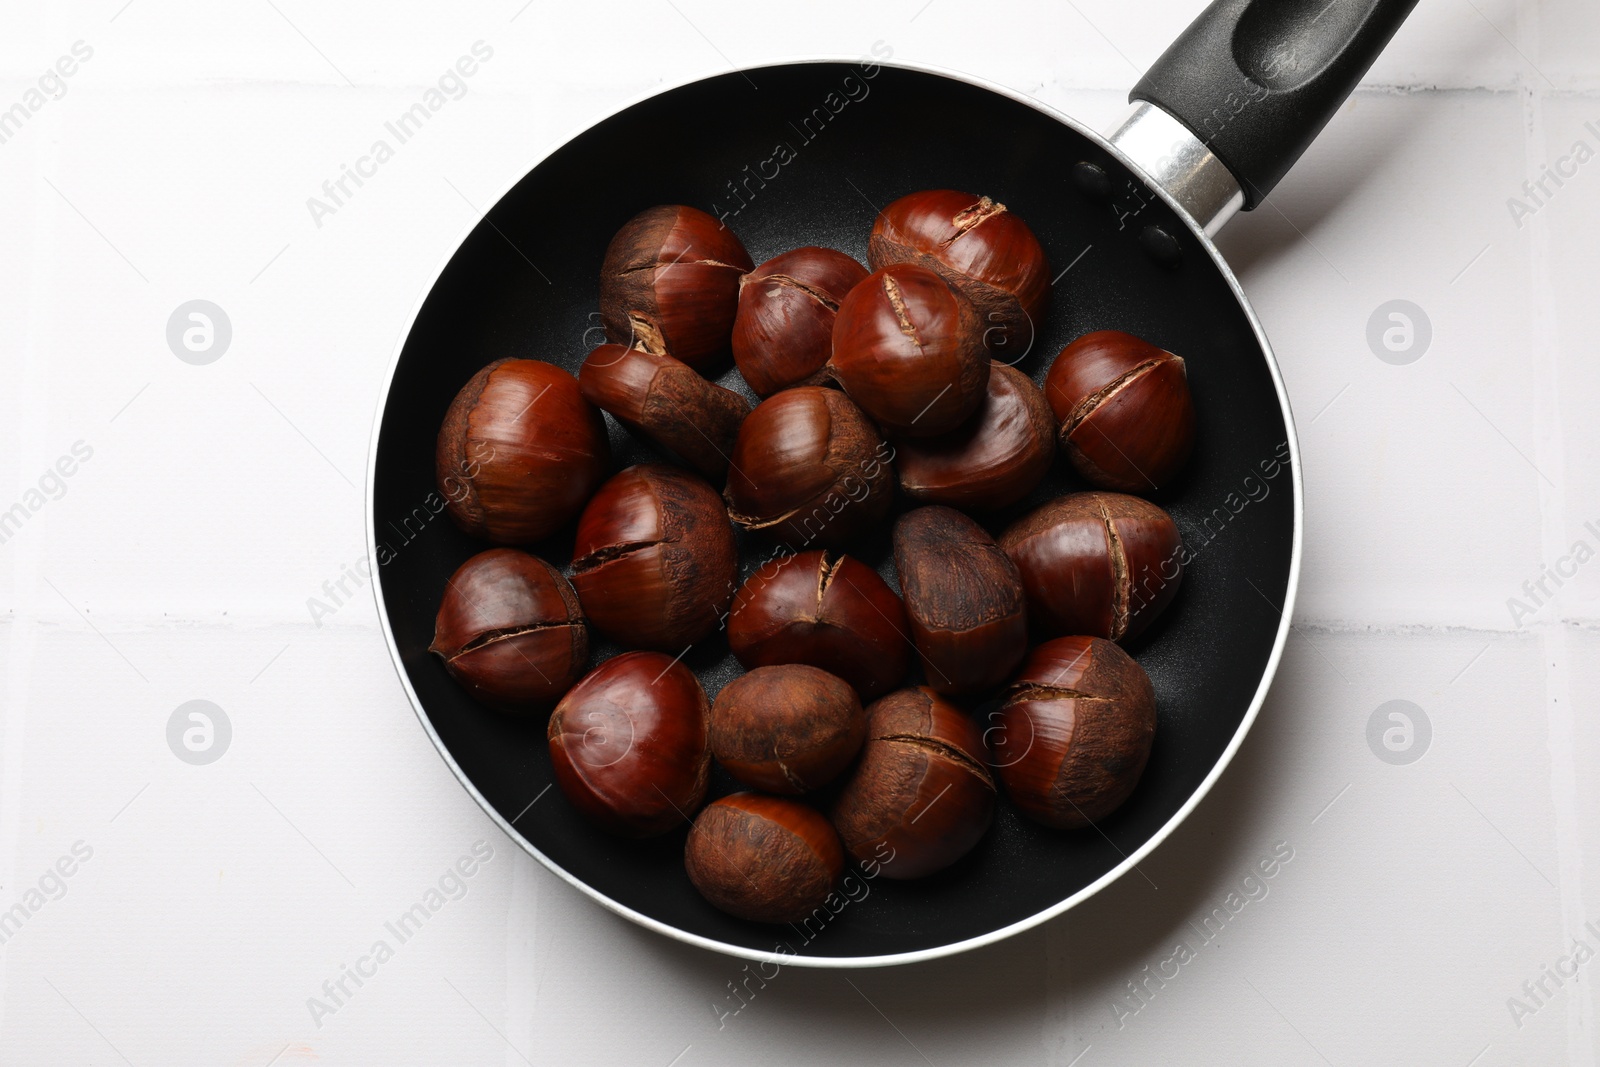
[(520, 452), (629, 744), (510, 631), (1102, 564), (1127, 417), (788, 728), (992, 460), (670, 284), (964, 598), (1073, 736), (832, 612), (809, 469), (764, 859), (909, 350), (655, 562), (667, 401), (978, 247), (921, 796), (783, 333)]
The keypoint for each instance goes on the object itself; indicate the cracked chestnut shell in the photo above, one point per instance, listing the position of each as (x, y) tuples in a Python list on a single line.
[(1127, 418), (510, 631), (670, 284), (994, 459), (629, 744), (764, 859), (831, 612), (655, 562), (921, 796), (788, 728), (964, 598), (808, 468), (909, 349), (1102, 564), (783, 333), (1074, 733), (667, 401), (520, 452)]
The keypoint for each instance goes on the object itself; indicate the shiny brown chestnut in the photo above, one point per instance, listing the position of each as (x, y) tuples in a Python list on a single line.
[(964, 598), (808, 468), (520, 452), (764, 859), (1073, 736), (788, 728), (978, 247), (909, 349), (921, 796), (783, 334), (995, 459), (510, 631), (655, 561), (670, 284), (832, 612), (667, 401), (629, 744), (1102, 564), (1127, 418)]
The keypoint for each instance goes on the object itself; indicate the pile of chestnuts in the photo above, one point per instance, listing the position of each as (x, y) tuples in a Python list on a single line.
[(864, 399)]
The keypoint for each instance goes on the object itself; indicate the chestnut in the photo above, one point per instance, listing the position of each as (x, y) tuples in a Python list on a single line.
[(629, 744), (909, 349), (1073, 735), (788, 728), (520, 452), (510, 631), (978, 247), (1127, 419), (670, 284), (964, 598), (832, 612), (654, 562), (921, 796), (808, 467), (783, 334), (995, 459), (764, 859), (666, 401), (1102, 564)]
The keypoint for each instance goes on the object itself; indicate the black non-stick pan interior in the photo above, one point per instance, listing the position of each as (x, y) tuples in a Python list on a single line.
[(524, 284)]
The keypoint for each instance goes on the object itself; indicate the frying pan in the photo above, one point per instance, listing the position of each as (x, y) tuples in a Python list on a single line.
[(1126, 220)]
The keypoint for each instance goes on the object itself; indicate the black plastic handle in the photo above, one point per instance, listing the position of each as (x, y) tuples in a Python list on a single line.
[(1257, 80)]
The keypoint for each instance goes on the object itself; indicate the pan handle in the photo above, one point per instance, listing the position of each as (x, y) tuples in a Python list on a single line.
[(1256, 80)]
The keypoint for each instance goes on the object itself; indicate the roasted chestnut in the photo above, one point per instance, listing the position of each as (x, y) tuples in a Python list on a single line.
[(764, 859), (994, 459), (629, 744), (832, 612), (921, 796), (668, 402), (1127, 419), (909, 349), (655, 561), (783, 334), (520, 452), (510, 631), (964, 598), (1073, 736), (1102, 564), (808, 468), (787, 728), (977, 246), (670, 284)]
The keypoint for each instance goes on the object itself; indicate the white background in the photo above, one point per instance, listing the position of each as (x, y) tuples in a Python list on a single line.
[(219, 498)]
